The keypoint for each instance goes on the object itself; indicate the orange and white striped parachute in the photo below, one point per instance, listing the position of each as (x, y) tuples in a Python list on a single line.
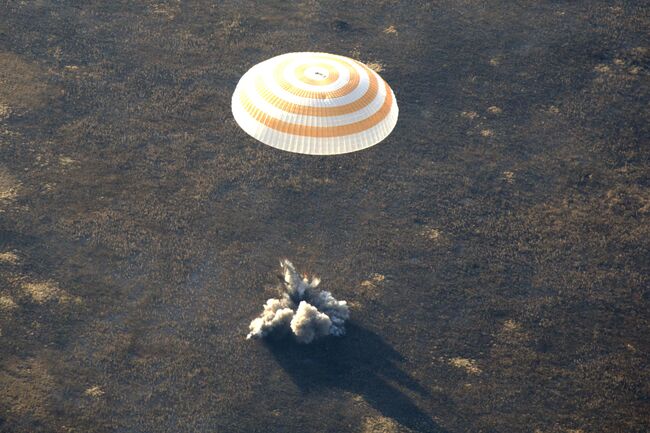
[(314, 103)]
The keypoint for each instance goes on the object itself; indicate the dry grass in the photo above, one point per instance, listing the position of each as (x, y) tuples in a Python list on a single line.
[(380, 424), (508, 176), (487, 133), (166, 10), (45, 291), (7, 304), (603, 69), (370, 288), (469, 365), (22, 84), (9, 257), (511, 326), (67, 161), (5, 110), (95, 391), (27, 387), (539, 284), (8, 186), (375, 66), (373, 280)]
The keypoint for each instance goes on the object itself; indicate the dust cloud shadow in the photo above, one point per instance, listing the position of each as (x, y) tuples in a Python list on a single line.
[(361, 363)]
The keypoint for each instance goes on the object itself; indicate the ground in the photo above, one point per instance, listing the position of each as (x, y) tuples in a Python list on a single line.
[(494, 248)]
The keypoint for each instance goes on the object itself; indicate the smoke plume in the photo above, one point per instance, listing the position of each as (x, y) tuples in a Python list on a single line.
[(303, 310)]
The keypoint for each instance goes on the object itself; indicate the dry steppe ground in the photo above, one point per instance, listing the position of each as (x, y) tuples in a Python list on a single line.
[(494, 249)]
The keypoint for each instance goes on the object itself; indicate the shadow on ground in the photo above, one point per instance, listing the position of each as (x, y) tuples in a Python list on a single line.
[(361, 363)]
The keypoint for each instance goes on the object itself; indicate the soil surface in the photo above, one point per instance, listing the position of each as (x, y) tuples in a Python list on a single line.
[(494, 248)]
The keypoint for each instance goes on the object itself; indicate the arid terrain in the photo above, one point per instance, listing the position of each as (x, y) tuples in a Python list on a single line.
[(494, 249)]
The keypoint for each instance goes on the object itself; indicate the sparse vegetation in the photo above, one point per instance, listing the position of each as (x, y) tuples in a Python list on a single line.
[(494, 247)]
